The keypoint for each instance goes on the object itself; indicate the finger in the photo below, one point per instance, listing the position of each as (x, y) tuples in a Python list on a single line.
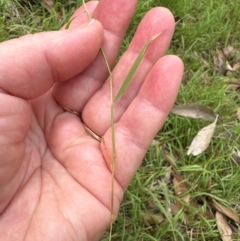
[(115, 17), (144, 117), (79, 16), (96, 113), (81, 156), (29, 66)]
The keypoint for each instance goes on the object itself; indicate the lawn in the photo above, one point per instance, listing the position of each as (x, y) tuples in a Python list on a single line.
[(175, 196)]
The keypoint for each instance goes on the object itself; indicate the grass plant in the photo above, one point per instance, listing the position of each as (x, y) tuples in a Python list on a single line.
[(201, 29)]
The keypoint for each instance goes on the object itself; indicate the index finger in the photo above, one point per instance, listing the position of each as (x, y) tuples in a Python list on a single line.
[(115, 17)]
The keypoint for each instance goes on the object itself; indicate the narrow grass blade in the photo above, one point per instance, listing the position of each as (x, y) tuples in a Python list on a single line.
[(134, 68), (85, 6), (112, 131), (69, 23)]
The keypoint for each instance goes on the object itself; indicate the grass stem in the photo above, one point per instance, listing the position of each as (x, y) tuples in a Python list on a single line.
[(112, 164)]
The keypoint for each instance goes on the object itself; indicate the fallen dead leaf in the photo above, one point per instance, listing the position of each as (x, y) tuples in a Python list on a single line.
[(228, 51), (233, 86), (168, 176), (152, 215), (236, 158), (174, 209), (223, 227), (219, 60), (236, 67), (155, 142), (194, 111), (202, 140), (181, 187), (234, 81), (233, 70), (226, 211), (48, 4), (229, 67), (238, 113), (153, 218), (190, 234)]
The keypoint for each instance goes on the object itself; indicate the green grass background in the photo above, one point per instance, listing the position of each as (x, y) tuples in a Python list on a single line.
[(202, 28)]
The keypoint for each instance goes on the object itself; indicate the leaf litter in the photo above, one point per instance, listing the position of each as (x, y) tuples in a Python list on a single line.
[(181, 187), (202, 140), (194, 111), (222, 59), (48, 4), (220, 62), (227, 61), (153, 216), (200, 143), (226, 211), (238, 113), (236, 156), (223, 227)]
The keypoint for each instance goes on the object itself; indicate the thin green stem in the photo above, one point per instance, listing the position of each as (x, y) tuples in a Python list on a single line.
[(112, 131), (85, 6)]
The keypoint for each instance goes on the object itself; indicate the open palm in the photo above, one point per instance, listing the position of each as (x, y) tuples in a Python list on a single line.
[(55, 180)]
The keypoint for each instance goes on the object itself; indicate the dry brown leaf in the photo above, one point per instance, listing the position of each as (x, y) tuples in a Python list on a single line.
[(236, 158), (173, 209), (223, 227), (228, 66), (168, 175), (228, 51), (202, 140), (234, 81), (236, 67), (172, 160), (194, 111), (232, 70), (153, 218), (181, 187), (155, 142), (48, 4), (219, 60), (226, 211), (238, 113), (233, 86)]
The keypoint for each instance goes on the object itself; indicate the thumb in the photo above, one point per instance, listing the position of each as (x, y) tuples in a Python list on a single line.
[(30, 65)]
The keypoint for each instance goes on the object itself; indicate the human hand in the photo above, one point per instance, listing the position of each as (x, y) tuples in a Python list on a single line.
[(55, 181)]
